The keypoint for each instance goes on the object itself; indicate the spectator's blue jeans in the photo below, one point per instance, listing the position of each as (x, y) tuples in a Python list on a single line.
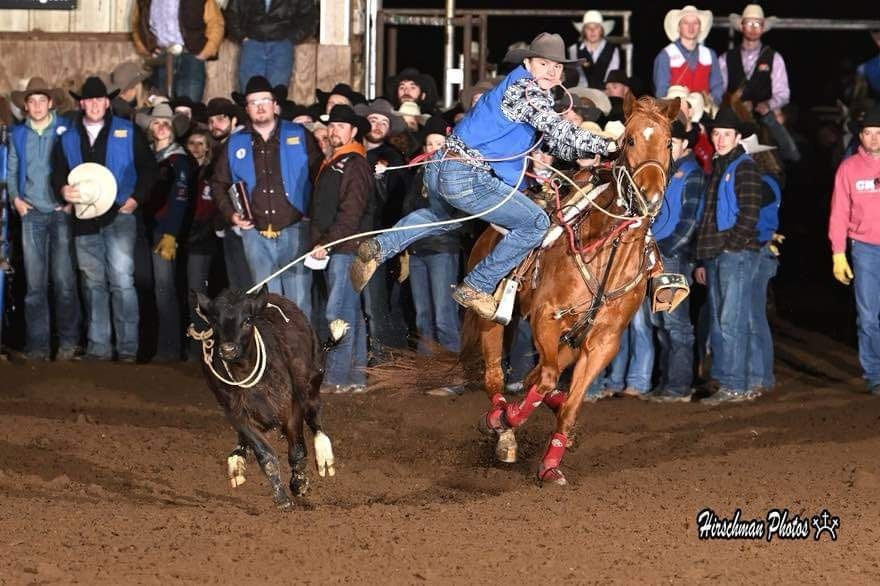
[(238, 272), (432, 277), (675, 335), (729, 279), (522, 356), (48, 255), (106, 260), (866, 283), (760, 365), (271, 59), (454, 184), (267, 255), (189, 76), (384, 325), (634, 363), (347, 362), (167, 309)]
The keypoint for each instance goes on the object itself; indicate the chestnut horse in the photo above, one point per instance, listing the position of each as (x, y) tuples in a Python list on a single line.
[(582, 291)]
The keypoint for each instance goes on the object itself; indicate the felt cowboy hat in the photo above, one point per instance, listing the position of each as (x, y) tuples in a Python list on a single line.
[(754, 12), (412, 109), (593, 17), (423, 80), (436, 125), (344, 113), (597, 97), (680, 132), (255, 84), (97, 190), (382, 107), (93, 87), (221, 107), (727, 118), (752, 146), (127, 74), (544, 46), (163, 111), (673, 17), (340, 89), (618, 76), (870, 118), (36, 85)]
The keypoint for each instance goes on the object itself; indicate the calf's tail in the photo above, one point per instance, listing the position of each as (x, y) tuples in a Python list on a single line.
[(338, 330)]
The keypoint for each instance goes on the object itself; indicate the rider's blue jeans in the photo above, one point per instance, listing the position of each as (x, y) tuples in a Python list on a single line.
[(454, 185)]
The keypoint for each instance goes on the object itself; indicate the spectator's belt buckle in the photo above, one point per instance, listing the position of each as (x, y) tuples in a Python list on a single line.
[(175, 49), (270, 233), (668, 290)]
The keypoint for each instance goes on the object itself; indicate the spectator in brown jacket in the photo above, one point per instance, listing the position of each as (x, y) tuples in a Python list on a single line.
[(187, 31), (340, 206)]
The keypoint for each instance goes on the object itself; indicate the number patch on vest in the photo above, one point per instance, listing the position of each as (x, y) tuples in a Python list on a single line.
[(292, 140), (120, 133)]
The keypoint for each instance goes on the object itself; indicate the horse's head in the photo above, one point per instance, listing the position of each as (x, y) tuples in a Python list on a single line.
[(231, 315), (646, 150)]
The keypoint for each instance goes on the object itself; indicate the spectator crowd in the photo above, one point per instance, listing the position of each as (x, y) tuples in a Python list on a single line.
[(141, 189)]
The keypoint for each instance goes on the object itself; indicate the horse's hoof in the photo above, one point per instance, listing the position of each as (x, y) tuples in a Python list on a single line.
[(505, 449), (553, 476)]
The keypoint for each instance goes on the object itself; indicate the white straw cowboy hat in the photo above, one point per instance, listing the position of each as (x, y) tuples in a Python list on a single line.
[(676, 91), (411, 109), (593, 17), (97, 190), (614, 129), (673, 17), (752, 11), (594, 95), (751, 145), (697, 104)]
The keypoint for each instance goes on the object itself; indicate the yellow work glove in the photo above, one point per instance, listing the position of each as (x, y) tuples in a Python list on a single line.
[(404, 267), (167, 247), (842, 272)]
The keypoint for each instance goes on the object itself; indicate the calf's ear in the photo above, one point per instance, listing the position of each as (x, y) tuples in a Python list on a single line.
[(201, 302), (260, 299)]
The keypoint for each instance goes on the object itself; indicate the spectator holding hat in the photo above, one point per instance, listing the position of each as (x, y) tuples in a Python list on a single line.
[(686, 61), (105, 244), (189, 31), (268, 31), (275, 161), (596, 55), (855, 219), (164, 215), (46, 230), (340, 208)]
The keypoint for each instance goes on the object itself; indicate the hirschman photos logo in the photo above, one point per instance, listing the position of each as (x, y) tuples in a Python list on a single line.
[(778, 523)]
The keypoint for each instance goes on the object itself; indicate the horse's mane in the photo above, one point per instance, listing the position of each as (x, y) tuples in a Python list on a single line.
[(649, 107)]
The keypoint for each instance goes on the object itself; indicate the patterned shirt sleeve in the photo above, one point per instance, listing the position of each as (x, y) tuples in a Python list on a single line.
[(524, 101)]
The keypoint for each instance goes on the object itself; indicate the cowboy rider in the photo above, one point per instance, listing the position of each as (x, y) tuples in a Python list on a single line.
[(482, 165)]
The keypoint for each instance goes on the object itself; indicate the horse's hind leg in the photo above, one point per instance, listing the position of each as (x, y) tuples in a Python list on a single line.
[(297, 453), (323, 448)]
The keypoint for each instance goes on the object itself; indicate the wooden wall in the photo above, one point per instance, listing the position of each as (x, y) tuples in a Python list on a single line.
[(65, 47)]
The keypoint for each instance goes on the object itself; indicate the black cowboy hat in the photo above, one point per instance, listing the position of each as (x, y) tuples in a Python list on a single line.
[(423, 80), (618, 76), (340, 89), (221, 107), (727, 118), (344, 113), (870, 118), (255, 84), (436, 125), (680, 132), (545, 46), (94, 88)]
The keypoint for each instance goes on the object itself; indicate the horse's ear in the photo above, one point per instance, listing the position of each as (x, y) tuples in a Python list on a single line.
[(671, 108), (629, 100)]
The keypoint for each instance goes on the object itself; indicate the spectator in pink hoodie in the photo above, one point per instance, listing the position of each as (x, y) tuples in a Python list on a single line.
[(855, 215)]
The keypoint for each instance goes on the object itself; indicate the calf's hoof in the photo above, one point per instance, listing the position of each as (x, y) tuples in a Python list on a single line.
[(299, 484), (235, 468), (552, 476), (324, 455), (505, 448)]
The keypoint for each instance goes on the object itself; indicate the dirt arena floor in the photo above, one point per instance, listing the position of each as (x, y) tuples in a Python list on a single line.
[(115, 474)]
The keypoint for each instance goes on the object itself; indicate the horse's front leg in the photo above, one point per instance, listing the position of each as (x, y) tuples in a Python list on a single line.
[(589, 364)]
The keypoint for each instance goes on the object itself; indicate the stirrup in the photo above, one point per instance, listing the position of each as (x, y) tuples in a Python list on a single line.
[(668, 290), (505, 294)]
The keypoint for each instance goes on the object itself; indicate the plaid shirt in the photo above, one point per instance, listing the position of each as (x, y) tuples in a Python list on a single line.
[(678, 243), (748, 188)]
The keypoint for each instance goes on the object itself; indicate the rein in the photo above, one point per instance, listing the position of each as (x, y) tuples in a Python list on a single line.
[(206, 337)]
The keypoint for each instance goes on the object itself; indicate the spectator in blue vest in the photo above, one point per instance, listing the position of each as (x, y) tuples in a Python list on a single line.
[(482, 167), (728, 248), (164, 214), (674, 229), (47, 239), (870, 70), (105, 244), (275, 160), (268, 32)]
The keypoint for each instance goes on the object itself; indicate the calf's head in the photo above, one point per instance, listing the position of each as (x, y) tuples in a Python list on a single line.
[(231, 315)]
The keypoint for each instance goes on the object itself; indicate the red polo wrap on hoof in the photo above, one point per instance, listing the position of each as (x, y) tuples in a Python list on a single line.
[(553, 455), (555, 399), (517, 414), (498, 400)]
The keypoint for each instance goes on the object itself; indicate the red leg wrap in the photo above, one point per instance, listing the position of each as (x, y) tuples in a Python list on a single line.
[(555, 399), (553, 455), (517, 414), (498, 400)]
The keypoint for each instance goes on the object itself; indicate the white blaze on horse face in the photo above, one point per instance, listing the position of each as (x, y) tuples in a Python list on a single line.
[(648, 132), (324, 455)]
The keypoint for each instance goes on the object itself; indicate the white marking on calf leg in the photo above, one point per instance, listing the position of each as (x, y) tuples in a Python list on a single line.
[(324, 455), (235, 467)]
